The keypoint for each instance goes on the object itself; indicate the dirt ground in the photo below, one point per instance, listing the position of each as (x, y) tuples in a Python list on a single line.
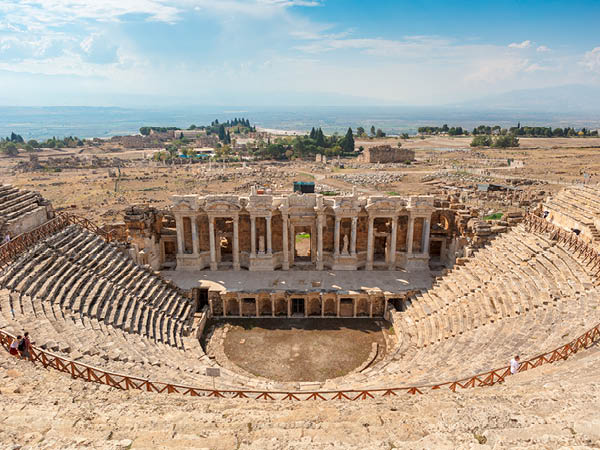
[(548, 164), (302, 349)]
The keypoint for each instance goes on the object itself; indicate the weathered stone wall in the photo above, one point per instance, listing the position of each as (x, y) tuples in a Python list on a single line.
[(387, 154)]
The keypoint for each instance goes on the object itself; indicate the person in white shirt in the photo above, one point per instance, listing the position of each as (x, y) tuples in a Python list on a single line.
[(514, 365)]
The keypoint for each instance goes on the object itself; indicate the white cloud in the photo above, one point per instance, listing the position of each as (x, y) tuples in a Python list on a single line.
[(524, 44), (542, 49), (494, 70), (591, 60), (535, 67)]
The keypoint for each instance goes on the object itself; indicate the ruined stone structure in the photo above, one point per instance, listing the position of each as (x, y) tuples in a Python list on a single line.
[(577, 209), (261, 232), (387, 154), (21, 210)]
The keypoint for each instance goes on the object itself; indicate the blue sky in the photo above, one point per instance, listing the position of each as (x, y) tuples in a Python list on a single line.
[(288, 52)]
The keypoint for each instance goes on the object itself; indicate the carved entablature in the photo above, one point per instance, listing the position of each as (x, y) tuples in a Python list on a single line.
[(346, 206), (421, 206), (185, 203), (222, 205), (385, 206), (302, 205), (260, 205)]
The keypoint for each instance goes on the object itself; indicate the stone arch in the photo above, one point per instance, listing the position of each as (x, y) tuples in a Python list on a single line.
[(314, 306), (329, 307), (281, 306), (362, 307), (233, 307), (264, 307)]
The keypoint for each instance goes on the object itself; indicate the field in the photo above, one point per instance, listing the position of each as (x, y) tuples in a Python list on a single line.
[(95, 189)]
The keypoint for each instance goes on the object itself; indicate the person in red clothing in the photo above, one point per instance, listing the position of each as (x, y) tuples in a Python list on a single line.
[(14, 346)]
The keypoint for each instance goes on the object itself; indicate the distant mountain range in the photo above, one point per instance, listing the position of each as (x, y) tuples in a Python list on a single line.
[(570, 105), (573, 98)]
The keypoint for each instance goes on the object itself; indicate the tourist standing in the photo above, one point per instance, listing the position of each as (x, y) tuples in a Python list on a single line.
[(14, 346), (25, 346), (514, 365)]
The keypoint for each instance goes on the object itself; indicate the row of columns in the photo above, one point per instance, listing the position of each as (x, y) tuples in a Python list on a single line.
[(393, 243), (290, 230)]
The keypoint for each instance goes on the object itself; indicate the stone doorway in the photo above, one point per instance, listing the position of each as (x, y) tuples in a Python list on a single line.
[(303, 245), (224, 241), (382, 229), (346, 307), (298, 306)]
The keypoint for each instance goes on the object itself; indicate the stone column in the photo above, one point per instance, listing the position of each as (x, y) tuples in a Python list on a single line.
[(354, 306), (195, 243), (336, 237), (289, 307), (370, 242), (236, 244), (224, 307), (353, 237), (252, 236), (256, 302), (306, 306), (370, 307), (409, 234), (286, 245), (425, 243), (269, 240), (393, 243), (338, 305), (293, 242), (320, 242), (211, 235), (240, 307), (179, 227), (272, 306)]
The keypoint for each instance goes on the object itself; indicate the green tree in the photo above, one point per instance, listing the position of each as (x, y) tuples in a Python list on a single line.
[(372, 130), (360, 131), (481, 140), (10, 149), (379, 133), (347, 143), (222, 135), (320, 138), (507, 141)]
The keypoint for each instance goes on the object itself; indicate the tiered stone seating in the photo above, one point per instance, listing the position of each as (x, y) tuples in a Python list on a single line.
[(522, 294), (79, 296), (579, 205), (17, 204), (80, 273)]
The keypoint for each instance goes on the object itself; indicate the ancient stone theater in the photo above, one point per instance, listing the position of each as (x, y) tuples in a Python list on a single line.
[(167, 298), (342, 243)]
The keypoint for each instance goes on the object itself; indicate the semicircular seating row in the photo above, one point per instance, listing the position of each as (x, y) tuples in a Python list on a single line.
[(83, 298), (579, 204), (521, 294), (17, 204)]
